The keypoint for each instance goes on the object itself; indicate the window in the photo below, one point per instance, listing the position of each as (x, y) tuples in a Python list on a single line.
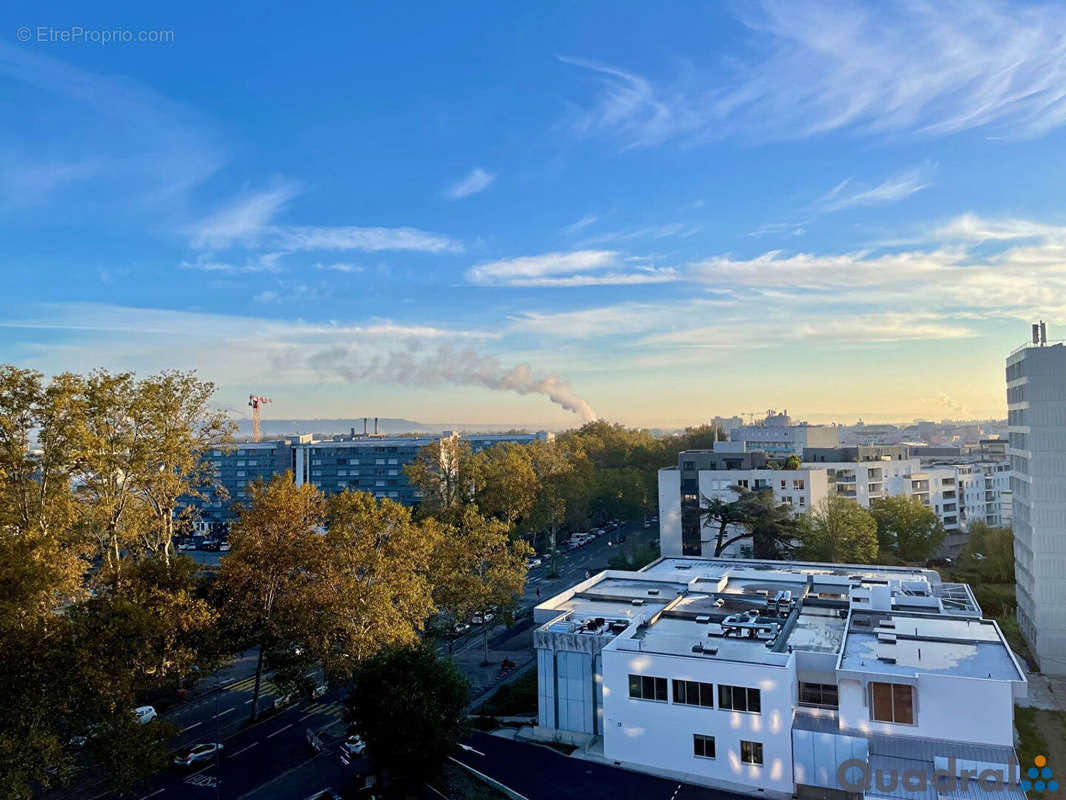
[(818, 694), (798, 484), (739, 698), (702, 746), (694, 693), (751, 753), (892, 702), (645, 687)]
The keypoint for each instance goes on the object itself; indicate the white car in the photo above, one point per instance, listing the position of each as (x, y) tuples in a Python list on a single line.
[(354, 746), (145, 714), (482, 619), (205, 751), (224, 547)]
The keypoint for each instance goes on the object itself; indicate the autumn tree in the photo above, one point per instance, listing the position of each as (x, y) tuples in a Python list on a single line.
[(374, 590), (479, 569), (554, 473), (409, 706), (839, 530), (907, 527), (268, 583)]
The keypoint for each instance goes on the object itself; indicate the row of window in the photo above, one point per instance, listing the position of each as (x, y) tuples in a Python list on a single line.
[(695, 693), (703, 746)]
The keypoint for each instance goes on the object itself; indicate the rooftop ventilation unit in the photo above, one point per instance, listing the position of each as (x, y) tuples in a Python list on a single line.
[(700, 647), (703, 618), (886, 638), (886, 659), (636, 601), (653, 591), (860, 622)]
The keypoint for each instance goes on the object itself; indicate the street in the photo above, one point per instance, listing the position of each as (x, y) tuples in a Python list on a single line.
[(271, 758)]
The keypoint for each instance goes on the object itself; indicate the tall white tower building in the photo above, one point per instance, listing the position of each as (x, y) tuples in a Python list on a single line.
[(1036, 416)]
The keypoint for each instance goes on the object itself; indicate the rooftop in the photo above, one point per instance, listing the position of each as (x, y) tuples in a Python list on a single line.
[(761, 611)]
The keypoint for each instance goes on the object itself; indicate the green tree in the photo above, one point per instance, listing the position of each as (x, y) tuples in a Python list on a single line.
[(989, 552), (726, 515), (907, 527), (555, 475), (507, 482), (793, 462), (447, 475), (839, 530), (409, 706), (774, 529), (268, 583), (479, 569)]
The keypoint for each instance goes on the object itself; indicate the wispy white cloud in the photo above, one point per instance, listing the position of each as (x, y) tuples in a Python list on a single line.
[(265, 262), (581, 224), (567, 269), (478, 180), (243, 221), (926, 69), (338, 267), (526, 267), (249, 222), (107, 134), (669, 230), (368, 240), (845, 195)]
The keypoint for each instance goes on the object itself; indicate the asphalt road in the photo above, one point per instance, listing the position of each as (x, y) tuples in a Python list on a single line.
[(540, 773), (253, 755), (592, 556)]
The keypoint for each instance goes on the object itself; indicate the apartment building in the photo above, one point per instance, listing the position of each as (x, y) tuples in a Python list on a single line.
[(985, 493), (766, 677), (368, 463), (782, 438), (715, 474), (1036, 416)]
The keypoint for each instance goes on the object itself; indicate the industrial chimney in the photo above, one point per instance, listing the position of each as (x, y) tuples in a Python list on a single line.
[(375, 426)]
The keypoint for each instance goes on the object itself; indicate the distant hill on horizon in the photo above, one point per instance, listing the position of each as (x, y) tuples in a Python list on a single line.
[(390, 425)]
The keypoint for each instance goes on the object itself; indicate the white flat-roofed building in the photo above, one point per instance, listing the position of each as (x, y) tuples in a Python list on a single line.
[(764, 677)]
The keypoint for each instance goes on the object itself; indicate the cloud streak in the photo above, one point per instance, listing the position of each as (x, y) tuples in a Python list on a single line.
[(478, 180), (914, 68)]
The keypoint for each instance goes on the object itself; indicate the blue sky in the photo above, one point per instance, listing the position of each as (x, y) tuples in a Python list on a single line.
[(533, 213)]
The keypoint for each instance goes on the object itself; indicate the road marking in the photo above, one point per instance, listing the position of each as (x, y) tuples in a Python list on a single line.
[(153, 794), (243, 749), (470, 749), (279, 730), (223, 713), (189, 728), (310, 713), (250, 699), (439, 794)]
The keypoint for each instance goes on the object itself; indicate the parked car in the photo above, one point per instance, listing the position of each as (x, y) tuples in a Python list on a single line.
[(536, 561), (354, 746), (482, 619), (197, 753), (186, 545), (223, 547), (145, 714), (459, 628)]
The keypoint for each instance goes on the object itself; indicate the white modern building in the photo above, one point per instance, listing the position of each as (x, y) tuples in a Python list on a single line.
[(767, 677), (985, 493), (777, 435), (1036, 415), (698, 476)]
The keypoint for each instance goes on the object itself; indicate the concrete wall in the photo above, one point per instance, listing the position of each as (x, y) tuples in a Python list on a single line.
[(945, 708), (670, 512), (659, 735)]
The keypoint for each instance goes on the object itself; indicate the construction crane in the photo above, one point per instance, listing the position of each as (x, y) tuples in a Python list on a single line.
[(255, 401)]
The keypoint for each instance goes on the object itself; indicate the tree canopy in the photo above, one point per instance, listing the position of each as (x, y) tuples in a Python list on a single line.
[(907, 527), (839, 530)]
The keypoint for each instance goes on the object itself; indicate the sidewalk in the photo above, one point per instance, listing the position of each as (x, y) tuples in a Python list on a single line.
[(515, 644)]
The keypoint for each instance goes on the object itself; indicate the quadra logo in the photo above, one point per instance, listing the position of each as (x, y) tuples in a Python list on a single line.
[(856, 775)]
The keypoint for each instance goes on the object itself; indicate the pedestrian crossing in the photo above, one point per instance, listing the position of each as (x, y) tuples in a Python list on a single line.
[(323, 709)]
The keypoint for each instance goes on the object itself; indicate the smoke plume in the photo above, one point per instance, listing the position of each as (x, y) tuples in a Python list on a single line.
[(445, 365)]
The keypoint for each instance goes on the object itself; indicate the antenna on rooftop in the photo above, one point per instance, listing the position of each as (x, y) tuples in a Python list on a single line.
[(1040, 333)]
